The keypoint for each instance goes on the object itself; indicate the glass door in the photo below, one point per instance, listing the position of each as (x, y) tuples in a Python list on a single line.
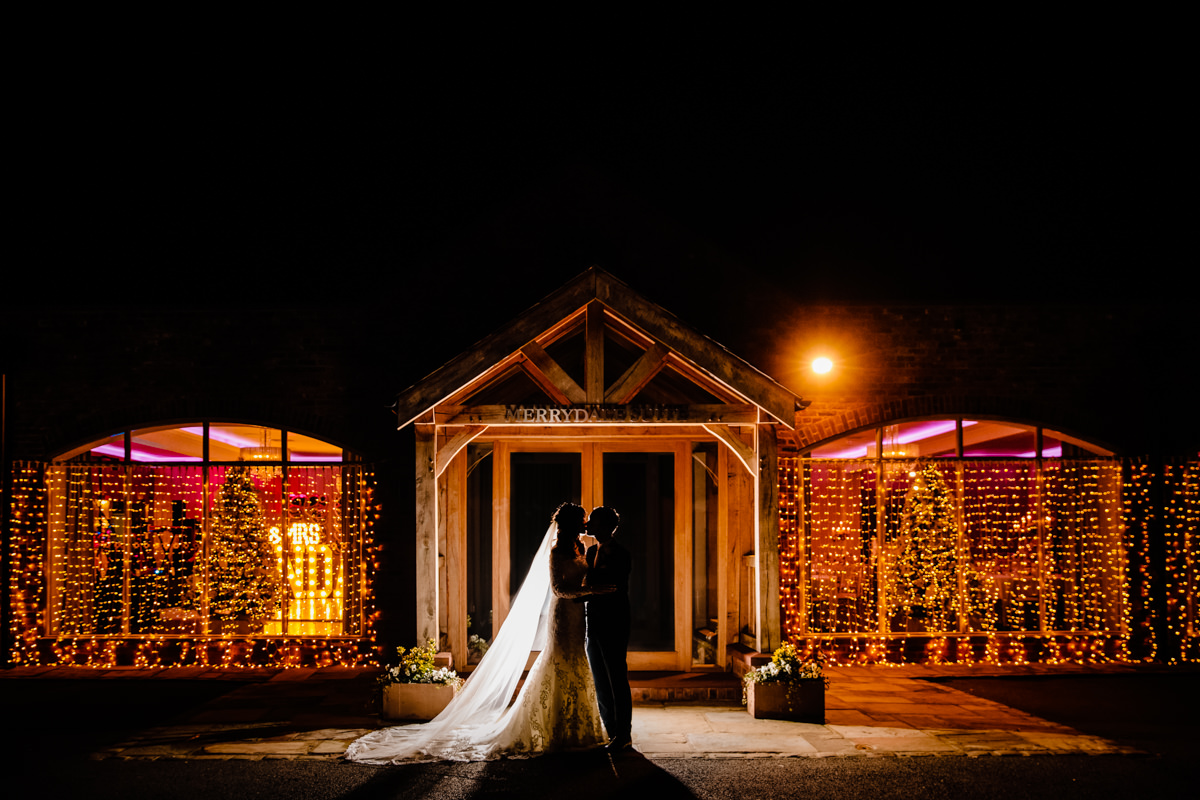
[(530, 480), (645, 485), (539, 482)]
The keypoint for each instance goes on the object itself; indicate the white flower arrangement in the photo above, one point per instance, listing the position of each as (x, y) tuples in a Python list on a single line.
[(477, 645), (787, 666), (417, 666)]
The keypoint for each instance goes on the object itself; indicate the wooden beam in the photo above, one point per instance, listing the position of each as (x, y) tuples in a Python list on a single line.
[(705, 353), (683, 556), (482, 357), (766, 539), (553, 379), (456, 558), (605, 414), (638, 375), (593, 362), (501, 486), (443, 563), (447, 452), (427, 535), (731, 518), (611, 433), (721, 612), (743, 451), (497, 350)]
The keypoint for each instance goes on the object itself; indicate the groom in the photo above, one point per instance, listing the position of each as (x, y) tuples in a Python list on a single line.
[(609, 564)]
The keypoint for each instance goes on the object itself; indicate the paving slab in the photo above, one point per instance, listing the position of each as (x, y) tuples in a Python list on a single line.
[(871, 712), (774, 743), (263, 748), (905, 744)]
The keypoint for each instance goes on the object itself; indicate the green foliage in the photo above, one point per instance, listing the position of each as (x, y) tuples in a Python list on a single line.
[(241, 560), (925, 574)]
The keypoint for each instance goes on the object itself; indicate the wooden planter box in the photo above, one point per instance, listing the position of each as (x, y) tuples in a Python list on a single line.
[(415, 701), (799, 702)]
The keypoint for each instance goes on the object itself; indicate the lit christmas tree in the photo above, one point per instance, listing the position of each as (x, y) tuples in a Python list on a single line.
[(925, 574), (241, 571)]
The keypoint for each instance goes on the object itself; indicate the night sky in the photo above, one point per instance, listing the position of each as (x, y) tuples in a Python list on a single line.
[(717, 180)]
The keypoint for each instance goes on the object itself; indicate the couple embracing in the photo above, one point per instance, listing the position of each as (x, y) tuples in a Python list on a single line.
[(576, 695), (599, 576)]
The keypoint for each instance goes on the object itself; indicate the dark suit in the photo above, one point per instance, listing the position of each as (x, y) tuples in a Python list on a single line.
[(608, 635)]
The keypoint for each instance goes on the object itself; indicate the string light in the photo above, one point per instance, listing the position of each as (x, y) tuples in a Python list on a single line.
[(1052, 565), (1181, 584), (107, 567)]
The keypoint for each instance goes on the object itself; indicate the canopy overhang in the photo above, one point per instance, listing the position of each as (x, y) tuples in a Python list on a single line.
[(750, 395)]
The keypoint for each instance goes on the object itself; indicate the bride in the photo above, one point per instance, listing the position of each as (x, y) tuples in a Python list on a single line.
[(556, 709)]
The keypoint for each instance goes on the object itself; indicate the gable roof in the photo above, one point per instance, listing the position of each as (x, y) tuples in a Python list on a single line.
[(595, 284)]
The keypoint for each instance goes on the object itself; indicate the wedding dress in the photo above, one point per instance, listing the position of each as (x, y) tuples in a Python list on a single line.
[(556, 709)]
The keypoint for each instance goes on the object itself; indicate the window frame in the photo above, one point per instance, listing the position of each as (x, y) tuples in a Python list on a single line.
[(1093, 449), (82, 454)]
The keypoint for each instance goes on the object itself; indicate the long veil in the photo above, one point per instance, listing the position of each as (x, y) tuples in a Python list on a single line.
[(469, 727)]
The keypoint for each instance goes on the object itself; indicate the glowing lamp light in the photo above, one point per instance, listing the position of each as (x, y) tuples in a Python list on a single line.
[(821, 365)]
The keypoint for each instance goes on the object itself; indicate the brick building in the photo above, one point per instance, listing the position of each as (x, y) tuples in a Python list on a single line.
[(968, 482)]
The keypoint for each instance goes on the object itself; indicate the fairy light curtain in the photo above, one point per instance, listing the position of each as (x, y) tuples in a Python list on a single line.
[(841, 548), (311, 553), (246, 589), (1085, 560), (1181, 563), (949, 546), (112, 558), (25, 593), (921, 557), (1002, 546), (793, 550), (1073, 552), (123, 549)]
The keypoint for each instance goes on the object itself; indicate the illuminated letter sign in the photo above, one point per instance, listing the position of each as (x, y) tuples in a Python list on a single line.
[(592, 414)]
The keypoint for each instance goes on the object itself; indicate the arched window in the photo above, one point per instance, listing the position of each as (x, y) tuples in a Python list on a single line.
[(943, 527), (950, 438), (219, 442), (209, 529)]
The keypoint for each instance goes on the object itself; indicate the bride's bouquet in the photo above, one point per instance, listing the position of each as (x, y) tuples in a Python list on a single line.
[(417, 666)]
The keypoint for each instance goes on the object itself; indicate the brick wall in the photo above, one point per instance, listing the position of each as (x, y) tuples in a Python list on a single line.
[(1118, 376), (75, 375)]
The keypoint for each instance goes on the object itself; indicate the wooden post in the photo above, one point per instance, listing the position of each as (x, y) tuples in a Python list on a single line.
[(766, 538), (456, 557), (427, 535), (735, 534), (443, 624), (683, 556), (501, 483), (726, 563)]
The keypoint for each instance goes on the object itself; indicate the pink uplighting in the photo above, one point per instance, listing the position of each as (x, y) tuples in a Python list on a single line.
[(919, 431), (850, 452), (227, 437), (912, 432), (142, 453)]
